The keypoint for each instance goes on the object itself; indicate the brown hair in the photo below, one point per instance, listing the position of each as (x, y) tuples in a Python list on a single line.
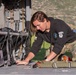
[(39, 15)]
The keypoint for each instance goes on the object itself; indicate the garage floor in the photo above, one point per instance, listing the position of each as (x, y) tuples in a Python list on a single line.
[(28, 70)]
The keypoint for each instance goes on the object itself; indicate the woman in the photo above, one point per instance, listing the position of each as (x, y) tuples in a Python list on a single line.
[(54, 31)]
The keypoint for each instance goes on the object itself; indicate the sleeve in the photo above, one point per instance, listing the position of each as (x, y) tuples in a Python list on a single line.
[(37, 44), (61, 30)]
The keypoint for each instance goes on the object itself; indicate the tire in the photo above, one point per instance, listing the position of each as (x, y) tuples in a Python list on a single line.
[(19, 54)]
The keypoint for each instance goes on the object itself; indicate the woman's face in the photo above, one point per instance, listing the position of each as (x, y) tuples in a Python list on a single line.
[(42, 26)]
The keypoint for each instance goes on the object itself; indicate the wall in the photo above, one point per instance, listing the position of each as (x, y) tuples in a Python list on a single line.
[(2, 20), (62, 9)]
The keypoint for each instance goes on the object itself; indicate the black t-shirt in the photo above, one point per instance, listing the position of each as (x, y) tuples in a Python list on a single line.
[(60, 34)]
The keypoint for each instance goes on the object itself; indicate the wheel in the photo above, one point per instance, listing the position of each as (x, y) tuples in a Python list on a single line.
[(19, 54)]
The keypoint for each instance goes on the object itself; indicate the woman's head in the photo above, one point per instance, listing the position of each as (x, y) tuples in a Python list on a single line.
[(38, 18)]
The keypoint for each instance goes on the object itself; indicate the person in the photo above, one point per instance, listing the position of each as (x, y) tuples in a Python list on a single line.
[(54, 31)]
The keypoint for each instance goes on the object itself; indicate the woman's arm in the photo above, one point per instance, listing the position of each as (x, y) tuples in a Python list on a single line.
[(27, 59), (51, 56)]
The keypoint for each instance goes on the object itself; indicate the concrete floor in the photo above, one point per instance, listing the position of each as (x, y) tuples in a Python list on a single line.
[(28, 70)]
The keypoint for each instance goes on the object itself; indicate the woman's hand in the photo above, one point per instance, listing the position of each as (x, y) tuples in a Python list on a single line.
[(26, 61), (19, 62)]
